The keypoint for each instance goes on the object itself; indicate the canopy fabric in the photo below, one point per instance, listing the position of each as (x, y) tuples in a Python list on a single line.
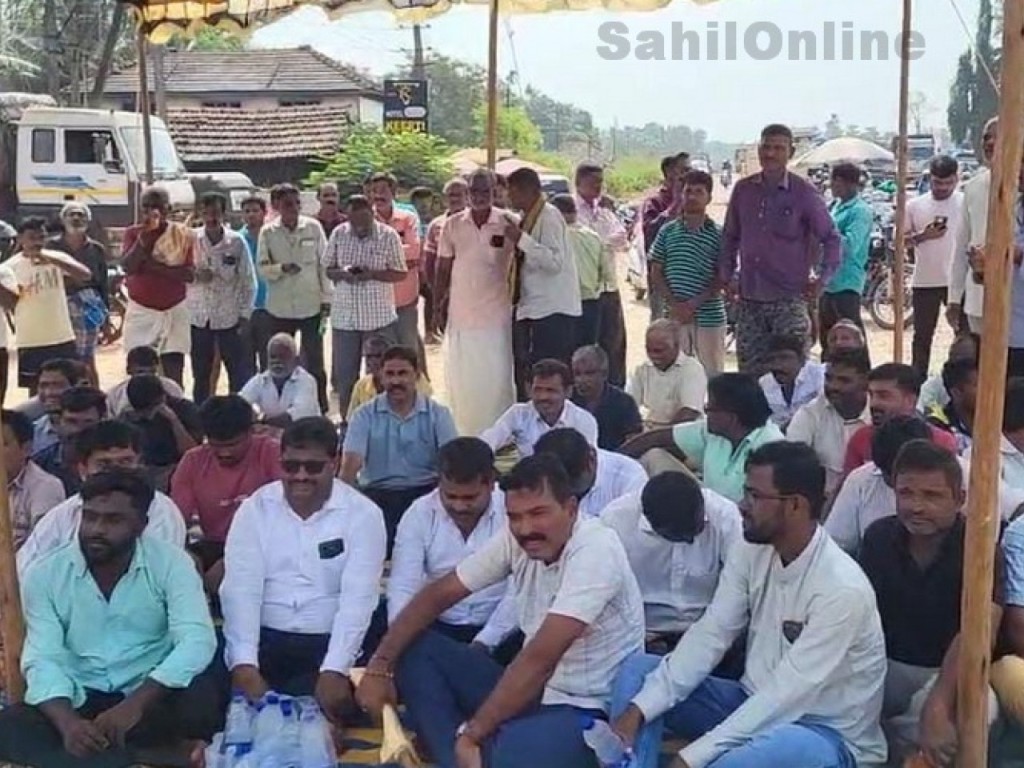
[(847, 149), (161, 19)]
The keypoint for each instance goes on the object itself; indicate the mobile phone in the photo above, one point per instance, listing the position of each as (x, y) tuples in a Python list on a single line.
[(497, 241), (356, 270), (941, 221), (229, 261)]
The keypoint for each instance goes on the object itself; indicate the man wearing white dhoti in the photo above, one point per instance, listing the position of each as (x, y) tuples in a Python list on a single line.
[(472, 281)]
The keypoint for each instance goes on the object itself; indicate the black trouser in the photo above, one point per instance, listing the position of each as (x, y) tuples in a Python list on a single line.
[(833, 307), (551, 337), (503, 653), (611, 335), (27, 737), (205, 342), (393, 502), (4, 364), (589, 323), (1015, 363), (290, 662), (928, 304), (312, 350), (257, 336)]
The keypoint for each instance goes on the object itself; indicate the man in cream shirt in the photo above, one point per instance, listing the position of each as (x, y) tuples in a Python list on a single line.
[(815, 672), (967, 295), (669, 386), (677, 536)]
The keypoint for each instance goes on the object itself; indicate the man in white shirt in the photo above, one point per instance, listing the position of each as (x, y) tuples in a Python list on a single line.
[(829, 421), (933, 221), (220, 300), (669, 386), (579, 607), (815, 673), (302, 568), (285, 391), (966, 292), (549, 408), (107, 445), (677, 536), (598, 477), (289, 253), (545, 284), (442, 529), (472, 291), (792, 380), (140, 361)]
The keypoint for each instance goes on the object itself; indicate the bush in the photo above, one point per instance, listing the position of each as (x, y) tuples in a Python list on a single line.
[(414, 158)]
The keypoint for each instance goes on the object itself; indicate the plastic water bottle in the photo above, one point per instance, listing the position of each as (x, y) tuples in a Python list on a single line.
[(317, 746), (288, 739), (606, 744), (267, 730), (238, 727), (214, 753)]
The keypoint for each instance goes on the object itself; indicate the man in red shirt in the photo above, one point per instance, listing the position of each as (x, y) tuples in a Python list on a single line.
[(329, 215), (213, 479), (158, 259), (893, 389)]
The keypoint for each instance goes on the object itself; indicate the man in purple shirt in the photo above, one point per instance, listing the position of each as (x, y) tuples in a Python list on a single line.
[(659, 209), (779, 227)]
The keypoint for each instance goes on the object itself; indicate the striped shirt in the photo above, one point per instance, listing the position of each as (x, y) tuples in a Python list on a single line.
[(689, 259)]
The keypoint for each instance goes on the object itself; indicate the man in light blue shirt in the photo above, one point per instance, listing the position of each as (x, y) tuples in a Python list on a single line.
[(260, 328), (854, 220), (118, 641), (392, 444)]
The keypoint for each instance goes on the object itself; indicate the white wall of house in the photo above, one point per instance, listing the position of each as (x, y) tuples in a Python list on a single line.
[(371, 111), (366, 110)]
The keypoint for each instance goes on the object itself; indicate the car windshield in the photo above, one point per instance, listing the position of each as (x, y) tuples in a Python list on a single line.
[(166, 163)]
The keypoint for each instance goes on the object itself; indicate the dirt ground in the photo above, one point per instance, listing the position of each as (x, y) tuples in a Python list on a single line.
[(110, 360)]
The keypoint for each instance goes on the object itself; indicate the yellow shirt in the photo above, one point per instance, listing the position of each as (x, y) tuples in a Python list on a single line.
[(41, 317), (364, 391)]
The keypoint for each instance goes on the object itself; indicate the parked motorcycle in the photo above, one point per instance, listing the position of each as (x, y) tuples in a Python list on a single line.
[(114, 327)]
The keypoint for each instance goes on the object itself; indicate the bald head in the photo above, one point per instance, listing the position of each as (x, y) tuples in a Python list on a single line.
[(282, 356), (662, 343)]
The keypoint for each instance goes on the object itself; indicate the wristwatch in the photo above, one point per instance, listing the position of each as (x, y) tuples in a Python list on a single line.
[(467, 729)]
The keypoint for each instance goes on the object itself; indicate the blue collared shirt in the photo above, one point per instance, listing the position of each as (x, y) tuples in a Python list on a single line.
[(854, 220), (155, 625), (252, 241), (44, 433), (399, 452)]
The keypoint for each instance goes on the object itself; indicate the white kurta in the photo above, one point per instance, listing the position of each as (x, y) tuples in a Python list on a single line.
[(479, 371)]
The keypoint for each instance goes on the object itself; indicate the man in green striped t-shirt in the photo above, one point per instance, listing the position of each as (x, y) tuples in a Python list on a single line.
[(683, 262)]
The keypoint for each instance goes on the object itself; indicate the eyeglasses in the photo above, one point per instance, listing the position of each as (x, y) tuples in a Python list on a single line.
[(312, 466), (752, 496)]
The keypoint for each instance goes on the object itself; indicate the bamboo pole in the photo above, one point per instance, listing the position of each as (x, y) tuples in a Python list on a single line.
[(147, 123), (900, 246), (12, 623), (492, 87), (982, 516)]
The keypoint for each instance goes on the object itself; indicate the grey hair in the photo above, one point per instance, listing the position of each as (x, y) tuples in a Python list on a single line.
[(282, 339), (76, 206), (594, 351)]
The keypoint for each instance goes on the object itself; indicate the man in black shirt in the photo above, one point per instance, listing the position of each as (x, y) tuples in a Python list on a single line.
[(915, 563), (617, 414), (169, 425)]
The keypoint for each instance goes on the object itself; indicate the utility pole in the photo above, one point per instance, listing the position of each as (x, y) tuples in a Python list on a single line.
[(419, 69), (159, 84), (51, 47)]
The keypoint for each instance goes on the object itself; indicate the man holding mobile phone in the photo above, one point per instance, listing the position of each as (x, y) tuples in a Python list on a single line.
[(932, 221)]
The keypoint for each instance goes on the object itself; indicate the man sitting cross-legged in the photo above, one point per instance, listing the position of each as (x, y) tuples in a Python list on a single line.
[(119, 641), (102, 447), (815, 672), (579, 607), (302, 568), (443, 528)]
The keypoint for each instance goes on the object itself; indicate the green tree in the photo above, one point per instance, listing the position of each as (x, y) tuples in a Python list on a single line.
[(515, 128), (414, 158), (973, 99), (208, 39), (958, 114)]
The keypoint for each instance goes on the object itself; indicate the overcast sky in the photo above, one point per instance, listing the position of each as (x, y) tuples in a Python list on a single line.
[(559, 54)]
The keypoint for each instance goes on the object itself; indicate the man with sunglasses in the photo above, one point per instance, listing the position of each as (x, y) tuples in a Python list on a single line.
[(676, 536), (812, 690), (302, 567)]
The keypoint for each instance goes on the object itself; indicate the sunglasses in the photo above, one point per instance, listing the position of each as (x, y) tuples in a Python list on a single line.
[(312, 466)]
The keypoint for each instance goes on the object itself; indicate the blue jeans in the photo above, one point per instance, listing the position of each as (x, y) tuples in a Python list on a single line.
[(443, 682), (793, 745)]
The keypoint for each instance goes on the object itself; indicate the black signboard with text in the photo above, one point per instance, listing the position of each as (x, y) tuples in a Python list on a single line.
[(405, 106)]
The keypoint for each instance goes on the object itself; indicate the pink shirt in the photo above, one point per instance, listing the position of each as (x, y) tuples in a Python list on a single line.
[(202, 487), (479, 297), (406, 224)]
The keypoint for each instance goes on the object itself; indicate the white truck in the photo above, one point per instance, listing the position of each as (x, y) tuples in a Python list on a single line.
[(52, 155)]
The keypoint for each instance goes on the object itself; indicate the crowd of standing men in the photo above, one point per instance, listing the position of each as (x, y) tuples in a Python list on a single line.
[(767, 563)]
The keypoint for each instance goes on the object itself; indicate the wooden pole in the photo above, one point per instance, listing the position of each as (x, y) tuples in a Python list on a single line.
[(900, 246), (12, 623), (492, 87), (982, 516), (147, 123)]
